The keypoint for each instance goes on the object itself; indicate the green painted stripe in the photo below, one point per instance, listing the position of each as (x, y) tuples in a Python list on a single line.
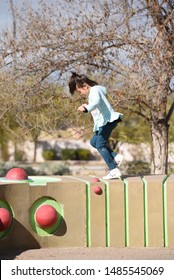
[(145, 201), (126, 212), (107, 213), (88, 215), (88, 211), (164, 198), (33, 180)]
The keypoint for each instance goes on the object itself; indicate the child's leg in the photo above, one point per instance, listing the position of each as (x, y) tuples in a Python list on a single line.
[(93, 140), (101, 140)]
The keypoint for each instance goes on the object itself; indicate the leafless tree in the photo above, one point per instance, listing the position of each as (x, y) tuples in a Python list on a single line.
[(129, 42)]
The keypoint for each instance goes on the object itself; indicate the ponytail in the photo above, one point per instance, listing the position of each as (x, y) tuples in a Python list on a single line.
[(79, 80)]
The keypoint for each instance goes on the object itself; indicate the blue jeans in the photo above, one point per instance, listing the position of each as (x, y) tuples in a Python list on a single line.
[(100, 140)]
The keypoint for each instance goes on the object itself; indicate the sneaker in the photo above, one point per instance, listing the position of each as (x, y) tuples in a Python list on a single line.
[(112, 174), (118, 159)]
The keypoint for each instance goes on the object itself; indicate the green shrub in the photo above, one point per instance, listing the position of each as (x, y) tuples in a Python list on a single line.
[(75, 154), (68, 154), (2, 172), (52, 169), (138, 168), (29, 169), (19, 155), (49, 154), (83, 154), (60, 170), (6, 166), (171, 168)]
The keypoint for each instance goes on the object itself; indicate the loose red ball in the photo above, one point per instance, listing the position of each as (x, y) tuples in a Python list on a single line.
[(46, 216), (94, 180), (98, 190), (16, 174), (5, 219)]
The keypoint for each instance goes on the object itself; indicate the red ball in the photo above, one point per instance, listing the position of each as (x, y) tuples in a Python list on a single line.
[(94, 180), (98, 190), (16, 174), (46, 216), (5, 219)]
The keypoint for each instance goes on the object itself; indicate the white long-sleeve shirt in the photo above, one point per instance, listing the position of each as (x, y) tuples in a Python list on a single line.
[(100, 108)]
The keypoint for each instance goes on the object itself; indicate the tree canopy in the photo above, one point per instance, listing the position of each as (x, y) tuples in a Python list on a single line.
[(129, 42)]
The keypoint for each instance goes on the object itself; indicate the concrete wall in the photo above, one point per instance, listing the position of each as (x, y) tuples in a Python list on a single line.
[(129, 212)]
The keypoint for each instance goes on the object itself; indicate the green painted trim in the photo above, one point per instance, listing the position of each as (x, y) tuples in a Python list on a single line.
[(107, 214), (4, 180), (145, 201), (126, 212), (33, 180), (88, 215), (88, 211), (164, 201), (45, 231), (43, 180)]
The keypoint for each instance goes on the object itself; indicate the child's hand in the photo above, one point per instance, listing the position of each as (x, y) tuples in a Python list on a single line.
[(81, 108)]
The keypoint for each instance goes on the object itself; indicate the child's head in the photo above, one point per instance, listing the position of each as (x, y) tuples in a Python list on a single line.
[(80, 83)]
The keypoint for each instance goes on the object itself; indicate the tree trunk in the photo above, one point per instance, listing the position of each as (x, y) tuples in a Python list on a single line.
[(159, 134), (35, 150)]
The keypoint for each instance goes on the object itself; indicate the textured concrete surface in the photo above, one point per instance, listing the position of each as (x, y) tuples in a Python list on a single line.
[(92, 254)]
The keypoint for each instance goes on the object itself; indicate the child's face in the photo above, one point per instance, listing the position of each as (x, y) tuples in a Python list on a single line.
[(83, 90)]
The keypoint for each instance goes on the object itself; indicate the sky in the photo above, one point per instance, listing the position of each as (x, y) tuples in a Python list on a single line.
[(4, 14)]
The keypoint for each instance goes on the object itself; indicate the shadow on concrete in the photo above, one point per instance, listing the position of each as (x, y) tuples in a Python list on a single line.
[(17, 241), (62, 229), (10, 255)]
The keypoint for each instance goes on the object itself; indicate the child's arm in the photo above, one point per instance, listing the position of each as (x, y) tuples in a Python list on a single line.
[(94, 100)]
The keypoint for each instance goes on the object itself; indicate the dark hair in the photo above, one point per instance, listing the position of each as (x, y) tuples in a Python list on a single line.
[(79, 80)]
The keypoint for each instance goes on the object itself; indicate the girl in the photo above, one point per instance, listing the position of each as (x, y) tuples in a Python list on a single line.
[(105, 119)]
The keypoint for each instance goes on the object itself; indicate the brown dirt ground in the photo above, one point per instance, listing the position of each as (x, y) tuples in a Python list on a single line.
[(91, 254)]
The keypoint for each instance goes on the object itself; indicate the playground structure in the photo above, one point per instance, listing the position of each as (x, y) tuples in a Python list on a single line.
[(70, 211)]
